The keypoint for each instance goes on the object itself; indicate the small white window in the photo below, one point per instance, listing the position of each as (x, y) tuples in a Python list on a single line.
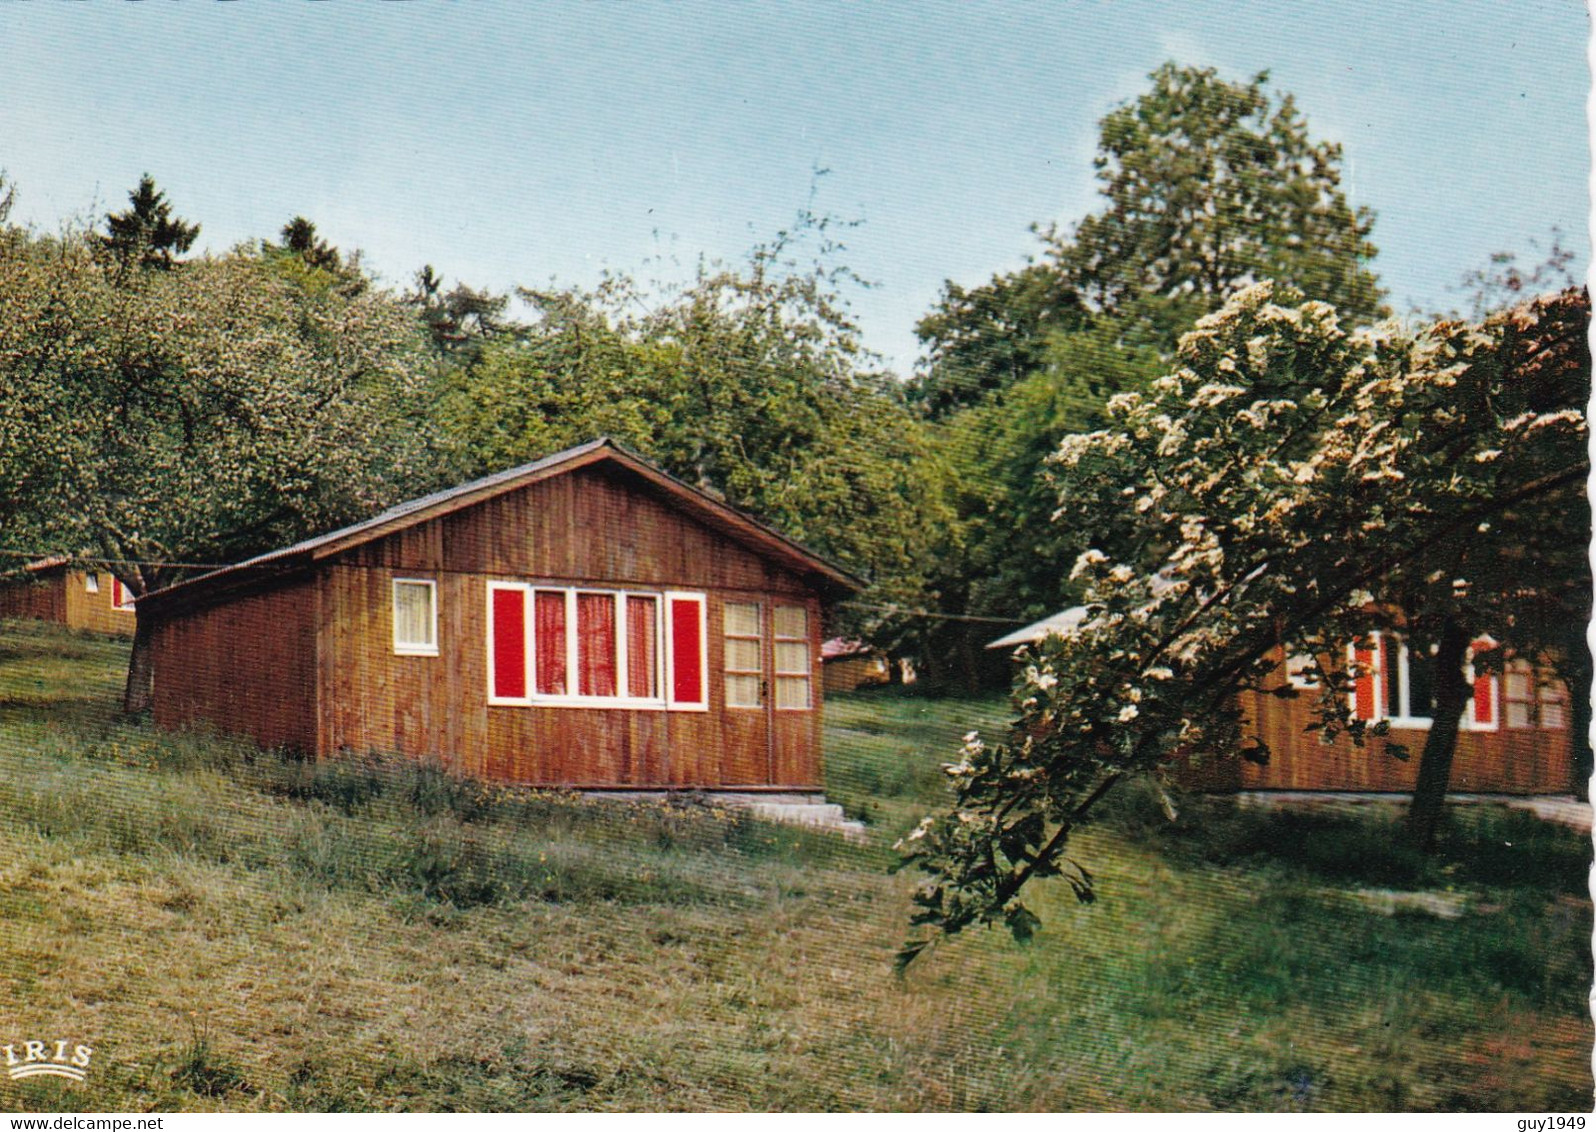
[(415, 617), (91, 583), (1300, 671)]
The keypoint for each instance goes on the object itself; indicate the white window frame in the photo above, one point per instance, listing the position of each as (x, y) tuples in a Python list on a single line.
[(570, 697), (1294, 675), (776, 674), (668, 648), (664, 653), (1403, 721), (1406, 721), (1563, 700), (91, 582), (412, 648), (127, 605)]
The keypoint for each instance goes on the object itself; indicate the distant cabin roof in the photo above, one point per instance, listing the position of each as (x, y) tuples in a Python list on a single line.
[(1067, 621), (840, 647), (720, 516), (1060, 624)]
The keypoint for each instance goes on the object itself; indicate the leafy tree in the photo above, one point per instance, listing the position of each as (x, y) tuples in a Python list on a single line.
[(147, 234), (459, 321), (202, 415), (1208, 186), (313, 264), (993, 336), (299, 236), (1264, 493), (748, 381)]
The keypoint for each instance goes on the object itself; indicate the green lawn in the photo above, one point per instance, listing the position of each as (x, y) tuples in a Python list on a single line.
[(230, 930)]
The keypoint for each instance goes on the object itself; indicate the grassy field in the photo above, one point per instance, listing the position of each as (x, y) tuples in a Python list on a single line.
[(232, 930)]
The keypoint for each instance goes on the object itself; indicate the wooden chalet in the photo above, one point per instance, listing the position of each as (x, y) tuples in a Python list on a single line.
[(57, 590), (583, 621), (849, 665), (1515, 736)]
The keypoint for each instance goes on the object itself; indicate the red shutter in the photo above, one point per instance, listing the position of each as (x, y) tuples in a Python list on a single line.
[(1363, 698), (687, 650), (509, 644), (1484, 706)]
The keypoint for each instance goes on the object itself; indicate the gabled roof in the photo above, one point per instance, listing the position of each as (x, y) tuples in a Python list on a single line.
[(756, 536), (48, 563)]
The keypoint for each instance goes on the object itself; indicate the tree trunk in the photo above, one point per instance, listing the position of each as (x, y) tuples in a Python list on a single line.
[(140, 689), (1452, 695)]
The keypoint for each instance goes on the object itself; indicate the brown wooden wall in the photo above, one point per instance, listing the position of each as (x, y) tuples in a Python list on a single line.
[(62, 596), (245, 667), (95, 611), (593, 526), (1505, 761), (35, 599), (850, 672)]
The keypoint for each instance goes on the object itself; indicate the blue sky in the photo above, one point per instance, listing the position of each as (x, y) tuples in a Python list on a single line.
[(517, 143)]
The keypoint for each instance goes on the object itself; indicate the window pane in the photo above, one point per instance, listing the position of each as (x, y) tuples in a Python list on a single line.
[(792, 656), (1516, 684), (1518, 714), (742, 656), (412, 614), (792, 621), (1421, 683), (1390, 674), (792, 691), (742, 619), (550, 643), (742, 691), (595, 644), (1552, 715), (91, 583), (642, 647)]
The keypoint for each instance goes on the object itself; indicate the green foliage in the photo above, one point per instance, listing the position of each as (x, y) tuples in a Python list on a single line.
[(1234, 507), (268, 411), (461, 321), (147, 235), (990, 337), (1208, 186), (748, 382), (1211, 186), (312, 263)]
